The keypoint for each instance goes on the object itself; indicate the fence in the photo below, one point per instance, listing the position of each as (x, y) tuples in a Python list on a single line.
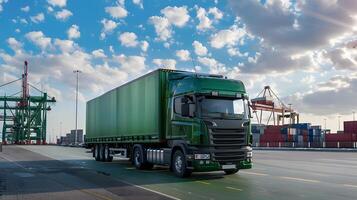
[(307, 144)]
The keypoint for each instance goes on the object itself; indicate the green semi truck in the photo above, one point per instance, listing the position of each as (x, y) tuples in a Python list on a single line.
[(190, 122)]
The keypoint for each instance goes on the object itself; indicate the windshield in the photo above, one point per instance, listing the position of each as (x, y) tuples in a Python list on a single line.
[(223, 108)]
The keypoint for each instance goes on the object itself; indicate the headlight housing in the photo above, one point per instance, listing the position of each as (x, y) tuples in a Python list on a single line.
[(202, 156)]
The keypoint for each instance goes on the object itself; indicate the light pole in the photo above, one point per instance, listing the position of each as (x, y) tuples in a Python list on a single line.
[(339, 122), (353, 113), (75, 133), (60, 131), (325, 123)]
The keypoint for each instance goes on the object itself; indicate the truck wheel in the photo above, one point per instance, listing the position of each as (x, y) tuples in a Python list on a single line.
[(230, 171), (101, 152), (138, 158), (107, 156), (179, 165), (97, 152)]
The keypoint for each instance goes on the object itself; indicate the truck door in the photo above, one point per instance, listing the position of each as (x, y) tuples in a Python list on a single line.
[(181, 127)]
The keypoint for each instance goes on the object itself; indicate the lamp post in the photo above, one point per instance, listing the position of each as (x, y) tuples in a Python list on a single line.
[(325, 123), (75, 134), (353, 113), (339, 123)]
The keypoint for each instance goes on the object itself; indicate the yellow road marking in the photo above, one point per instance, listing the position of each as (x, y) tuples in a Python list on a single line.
[(300, 179), (130, 168), (254, 173), (96, 194), (203, 182), (348, 185), (236, 189)]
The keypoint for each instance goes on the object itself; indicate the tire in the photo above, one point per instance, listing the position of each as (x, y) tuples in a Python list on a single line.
[(107, 156), (97, 152), (138, 158), (139, 161), (179, 165), (101, 152), (230, 171)]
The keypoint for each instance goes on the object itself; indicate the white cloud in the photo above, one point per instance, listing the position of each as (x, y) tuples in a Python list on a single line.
[(99, 53), (205, 22), (165, 63), (40, 17), (73, 32), (59, 3), (336, 96), (116, 12), (25, 9), (14, 44), (183, 55), (215, 67), (173, 16), (63, 14), (162, 27), (39, 39), (227, 37), (128, 39), (217, 14), (23, 21), (131, 64), (177, 16), (66, 46), (144, 46), (235, 52), (139, 3), (108, 27), (343, 57), (200, 50)]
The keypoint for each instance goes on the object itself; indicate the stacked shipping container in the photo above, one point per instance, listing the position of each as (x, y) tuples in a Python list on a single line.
[(343, 139)]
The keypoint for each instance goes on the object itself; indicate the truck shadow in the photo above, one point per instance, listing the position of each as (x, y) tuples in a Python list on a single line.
[(35, 173)]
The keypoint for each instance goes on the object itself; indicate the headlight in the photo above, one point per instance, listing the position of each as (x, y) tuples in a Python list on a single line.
[(202, 156)]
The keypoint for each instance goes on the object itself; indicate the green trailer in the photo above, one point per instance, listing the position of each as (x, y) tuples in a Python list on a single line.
[(188, 121)]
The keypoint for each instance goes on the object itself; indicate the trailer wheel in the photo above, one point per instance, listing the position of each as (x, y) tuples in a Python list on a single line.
[(107, 156), (179, 165), (101, 152), (230, 171), (97, 152)]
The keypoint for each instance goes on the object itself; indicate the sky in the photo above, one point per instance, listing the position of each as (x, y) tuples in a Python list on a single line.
[(305, 50)]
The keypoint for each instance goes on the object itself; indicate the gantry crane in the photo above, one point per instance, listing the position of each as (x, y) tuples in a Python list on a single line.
[(268, 101), (24, 117)]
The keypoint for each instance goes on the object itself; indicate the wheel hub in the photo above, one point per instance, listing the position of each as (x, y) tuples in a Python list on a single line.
[(178, 163)]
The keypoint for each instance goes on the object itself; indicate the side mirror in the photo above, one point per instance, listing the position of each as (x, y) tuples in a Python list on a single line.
[(185, 110)]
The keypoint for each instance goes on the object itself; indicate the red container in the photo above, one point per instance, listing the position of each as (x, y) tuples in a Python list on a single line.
[(350, 126), (342, 137)]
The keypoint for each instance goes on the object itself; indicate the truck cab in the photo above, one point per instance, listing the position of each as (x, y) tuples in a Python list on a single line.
[(208, 117)]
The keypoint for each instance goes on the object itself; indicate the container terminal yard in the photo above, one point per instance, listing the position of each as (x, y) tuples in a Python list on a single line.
[(66, 170), (183, 100)]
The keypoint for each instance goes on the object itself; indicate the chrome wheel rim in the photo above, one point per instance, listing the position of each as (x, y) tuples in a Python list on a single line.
[(137, 157), (178, 164)]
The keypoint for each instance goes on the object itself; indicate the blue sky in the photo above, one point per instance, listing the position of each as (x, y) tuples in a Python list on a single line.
[(305, 50)]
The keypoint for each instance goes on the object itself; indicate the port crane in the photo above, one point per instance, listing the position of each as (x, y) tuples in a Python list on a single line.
[(24, 117), (268, 102)]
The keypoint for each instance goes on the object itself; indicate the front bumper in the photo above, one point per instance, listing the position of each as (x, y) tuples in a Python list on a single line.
[(212, 165)]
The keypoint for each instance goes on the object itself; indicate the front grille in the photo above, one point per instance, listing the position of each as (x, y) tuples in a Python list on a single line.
[(227, 144)]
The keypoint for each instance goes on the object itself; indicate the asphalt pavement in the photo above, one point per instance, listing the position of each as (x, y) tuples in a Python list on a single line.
[(52, 172)]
